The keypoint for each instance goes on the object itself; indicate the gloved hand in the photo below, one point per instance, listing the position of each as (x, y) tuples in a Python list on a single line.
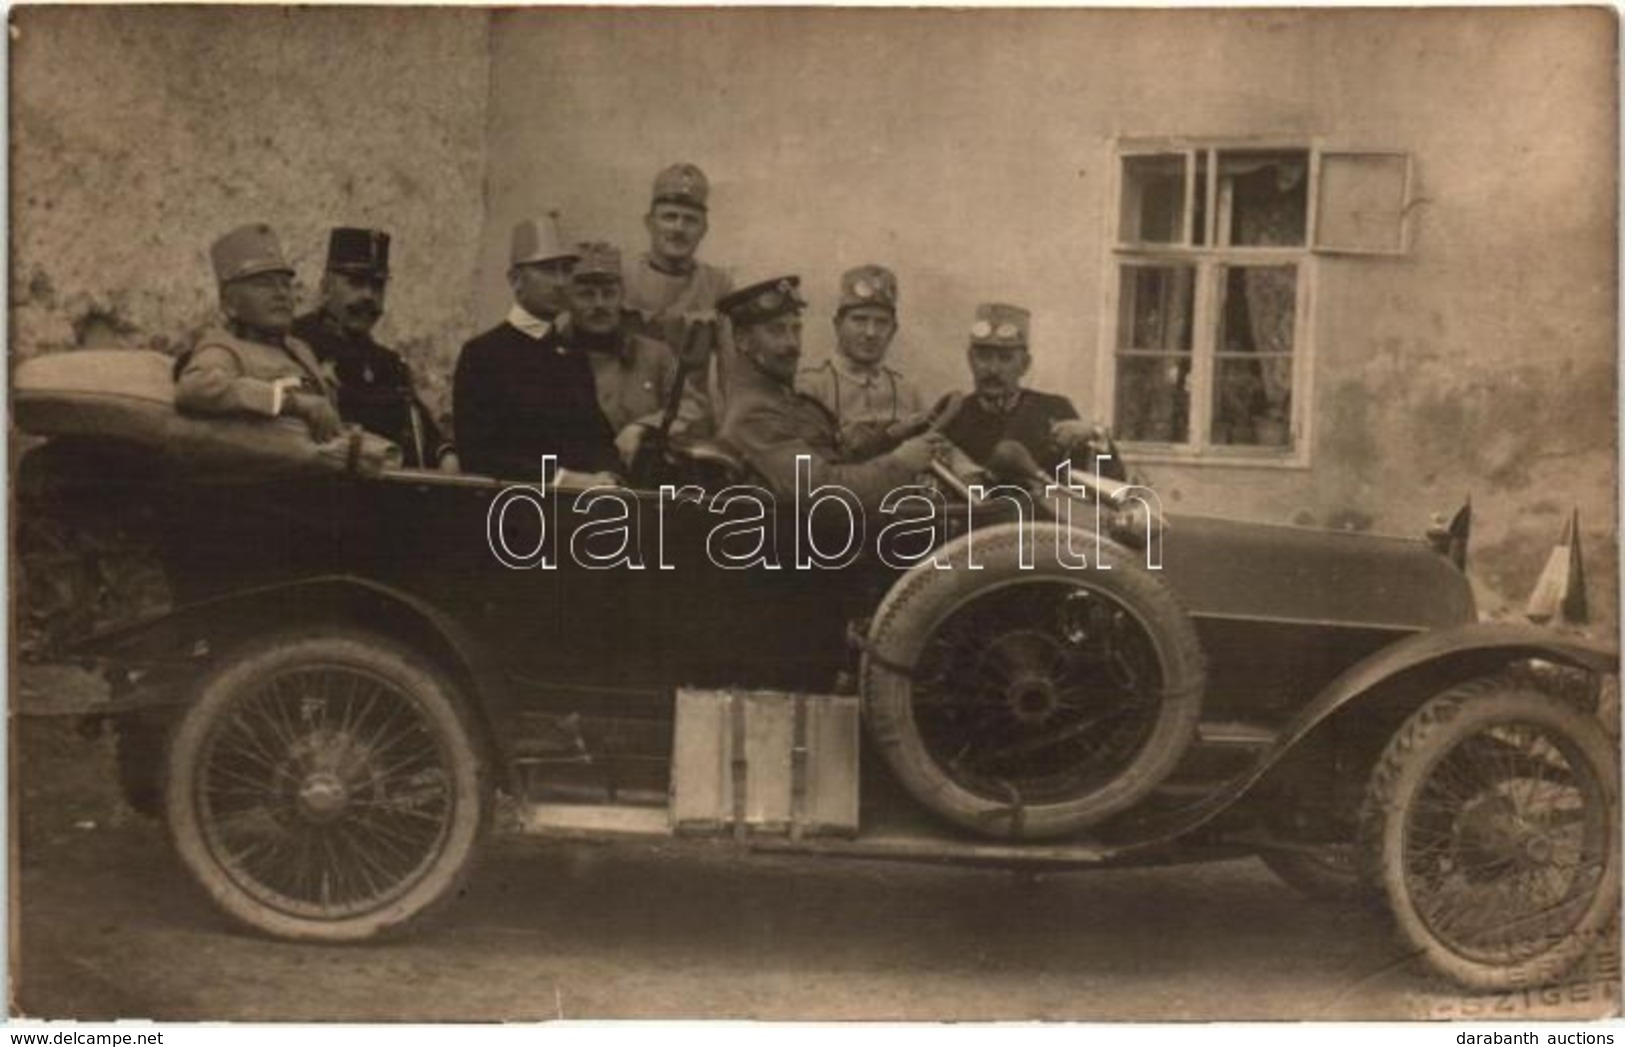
[(316, 412)]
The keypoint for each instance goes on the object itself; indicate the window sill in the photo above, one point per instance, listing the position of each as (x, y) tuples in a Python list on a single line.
[(1163, 454)]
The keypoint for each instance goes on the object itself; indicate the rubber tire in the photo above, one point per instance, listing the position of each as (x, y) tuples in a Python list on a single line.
[(1431, 732), (139, 741), (443, 710), (1315, 878), (924, 598)]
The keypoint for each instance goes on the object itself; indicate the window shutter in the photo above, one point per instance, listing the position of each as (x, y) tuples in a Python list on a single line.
[(1364, 203)]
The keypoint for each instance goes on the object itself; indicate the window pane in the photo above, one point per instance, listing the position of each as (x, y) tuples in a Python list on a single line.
[(1263, 198), (1154, 307), (1153, 398), (1153, 199), (1252, 387)]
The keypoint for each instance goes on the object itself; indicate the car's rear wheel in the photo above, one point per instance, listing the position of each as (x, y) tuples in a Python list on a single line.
[(1492, 823), (1031, 701), (326, 787), (1327, 872)]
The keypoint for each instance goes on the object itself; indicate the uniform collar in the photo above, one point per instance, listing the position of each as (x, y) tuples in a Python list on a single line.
[(1001, 406), (529, 324), (847, 368), (683, 268)]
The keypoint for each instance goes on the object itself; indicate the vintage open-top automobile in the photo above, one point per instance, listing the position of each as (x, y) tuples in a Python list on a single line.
[(348, 660)]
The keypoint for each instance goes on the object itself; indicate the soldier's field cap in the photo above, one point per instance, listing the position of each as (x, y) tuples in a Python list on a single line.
[(682, 184), (364, 252), (759, 303), (597, 262), (998, 324), (538, 240), (247, 250), (868, 285)]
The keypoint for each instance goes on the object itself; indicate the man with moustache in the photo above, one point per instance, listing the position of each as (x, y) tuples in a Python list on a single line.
[(769, 424), (252, 365), (874, 405), (520, 392), (633, 375), (375, 388), (1001, 408)]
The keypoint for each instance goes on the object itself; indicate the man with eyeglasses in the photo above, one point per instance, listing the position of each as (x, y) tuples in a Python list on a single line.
[(1001, 408), (375, 388), (874, 405), (520, 392), (770, 424), (253, 365)]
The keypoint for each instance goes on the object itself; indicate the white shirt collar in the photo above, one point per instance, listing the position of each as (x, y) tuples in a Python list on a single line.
[(530, 324)]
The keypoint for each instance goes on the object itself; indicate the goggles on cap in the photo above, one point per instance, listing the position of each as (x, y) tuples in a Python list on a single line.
[(983, 329), (777, 296)]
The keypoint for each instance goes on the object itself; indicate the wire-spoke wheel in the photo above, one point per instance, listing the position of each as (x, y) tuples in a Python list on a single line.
[(326, 787), (1492, 822), (1031, 700)]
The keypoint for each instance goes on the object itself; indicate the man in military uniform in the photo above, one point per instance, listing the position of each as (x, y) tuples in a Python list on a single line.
[(252, 365), (874, 405), (668, 289), (769, 424), (520, 392), (634, 375), (1001, 408), (374, 383)]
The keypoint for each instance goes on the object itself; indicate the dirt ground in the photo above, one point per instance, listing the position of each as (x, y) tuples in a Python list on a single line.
[(105, 924)]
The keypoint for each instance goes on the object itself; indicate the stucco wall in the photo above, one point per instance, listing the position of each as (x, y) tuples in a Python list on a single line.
[(138, 135), (971, 151)]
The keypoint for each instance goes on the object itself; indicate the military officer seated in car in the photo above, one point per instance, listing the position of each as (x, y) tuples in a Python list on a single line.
[(635, 376), (375, 389), (1001, 408), (769, 425), (252, 366), (874, 404)]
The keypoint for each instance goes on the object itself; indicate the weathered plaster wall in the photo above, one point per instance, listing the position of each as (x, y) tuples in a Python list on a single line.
[(971, 151), (138, 135)]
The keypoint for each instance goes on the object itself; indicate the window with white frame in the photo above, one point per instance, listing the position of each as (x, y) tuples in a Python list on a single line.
[(1212, 275)]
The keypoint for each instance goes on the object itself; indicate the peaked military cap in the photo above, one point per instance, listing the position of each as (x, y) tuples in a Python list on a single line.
[(596, 261), (361, 251), (682, 184), (759, 303), (248, 250), (538, 240), (868, 285), (999, 324)]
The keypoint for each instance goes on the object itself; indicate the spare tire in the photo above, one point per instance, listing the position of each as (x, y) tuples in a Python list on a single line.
[(1031, 701)]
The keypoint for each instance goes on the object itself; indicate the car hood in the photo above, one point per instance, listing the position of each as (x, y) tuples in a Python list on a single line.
[(1235, 569)]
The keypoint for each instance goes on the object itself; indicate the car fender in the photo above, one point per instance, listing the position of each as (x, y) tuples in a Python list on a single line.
[(194, 631), (1455, 654)]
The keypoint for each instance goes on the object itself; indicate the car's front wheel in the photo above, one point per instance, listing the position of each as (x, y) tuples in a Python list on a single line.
[(326, 787), (1492, 823)]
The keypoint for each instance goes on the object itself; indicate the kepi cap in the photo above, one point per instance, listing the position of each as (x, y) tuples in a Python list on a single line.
[(682, 184), (538, 240), (247, 250), (361, 251), (597, 262), (999, 324), (762, 302), (868, 285)]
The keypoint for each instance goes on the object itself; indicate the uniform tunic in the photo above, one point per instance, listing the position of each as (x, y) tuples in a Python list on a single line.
[(658, 303), (375, 390), (769, 424), (865, 403), (227, 374), (519, 395), (1025, 418), (634, 377)]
